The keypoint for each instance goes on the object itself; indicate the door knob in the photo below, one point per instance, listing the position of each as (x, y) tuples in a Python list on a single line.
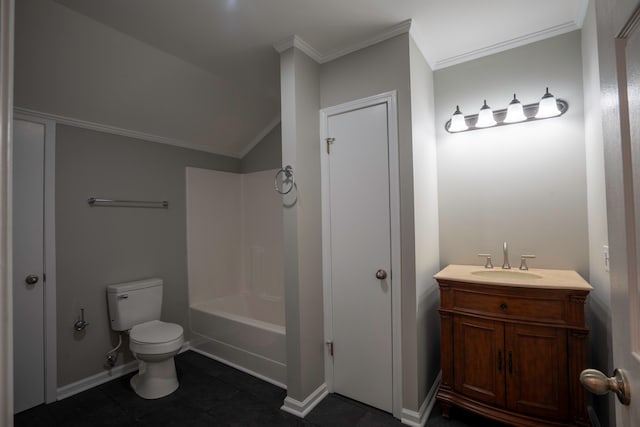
[(381, 274), (31, 279), (598, 383)]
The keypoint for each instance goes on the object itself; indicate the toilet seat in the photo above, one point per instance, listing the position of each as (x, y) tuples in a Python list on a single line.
[(155, 337)]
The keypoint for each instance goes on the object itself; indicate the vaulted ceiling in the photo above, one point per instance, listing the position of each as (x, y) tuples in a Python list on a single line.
[(233, 39)]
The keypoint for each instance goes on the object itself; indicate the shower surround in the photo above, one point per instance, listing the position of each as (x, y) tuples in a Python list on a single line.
[(235, 268)]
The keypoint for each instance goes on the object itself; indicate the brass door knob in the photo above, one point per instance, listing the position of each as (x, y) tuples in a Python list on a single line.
[(381, 274), (598, 383)]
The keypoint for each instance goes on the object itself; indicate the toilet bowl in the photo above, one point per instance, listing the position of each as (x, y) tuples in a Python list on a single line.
[(154, 344), (135, 307)]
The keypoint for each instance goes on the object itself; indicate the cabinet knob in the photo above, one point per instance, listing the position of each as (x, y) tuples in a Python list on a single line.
[(504, 307)]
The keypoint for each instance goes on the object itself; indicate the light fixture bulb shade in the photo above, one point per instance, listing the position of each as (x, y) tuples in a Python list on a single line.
[(515, 112), (458, 122), (548, 107), (485, 117)]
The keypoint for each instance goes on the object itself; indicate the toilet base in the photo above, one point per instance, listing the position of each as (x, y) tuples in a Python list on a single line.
[(155, 379)]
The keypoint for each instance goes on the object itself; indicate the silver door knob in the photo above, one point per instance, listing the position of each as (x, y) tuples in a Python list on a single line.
[(598, 383), (381, 274), (31, 279)]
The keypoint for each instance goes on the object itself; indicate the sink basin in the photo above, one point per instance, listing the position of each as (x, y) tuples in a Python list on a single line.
[(506, 274)]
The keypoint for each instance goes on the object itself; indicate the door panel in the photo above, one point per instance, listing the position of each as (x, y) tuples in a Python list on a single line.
[(360, 245), (626, 317), (537, 356), (28, 259), (478, 349)]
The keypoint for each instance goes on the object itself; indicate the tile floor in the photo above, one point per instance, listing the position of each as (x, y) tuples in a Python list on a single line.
[(212, 394)]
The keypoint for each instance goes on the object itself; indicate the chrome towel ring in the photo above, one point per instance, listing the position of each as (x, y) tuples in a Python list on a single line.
[(287, 173)]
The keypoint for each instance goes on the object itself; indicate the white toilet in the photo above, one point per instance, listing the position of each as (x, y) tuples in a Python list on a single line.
[(135, 307)]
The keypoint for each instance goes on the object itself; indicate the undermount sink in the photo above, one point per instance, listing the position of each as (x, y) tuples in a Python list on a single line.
[(506, 274)]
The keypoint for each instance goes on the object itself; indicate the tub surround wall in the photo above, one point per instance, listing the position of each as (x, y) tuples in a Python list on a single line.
[(104, 245), (235, 269), (234, 235), (526, 183)]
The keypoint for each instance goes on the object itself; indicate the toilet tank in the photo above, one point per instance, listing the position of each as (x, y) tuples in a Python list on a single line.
[(132, 303)]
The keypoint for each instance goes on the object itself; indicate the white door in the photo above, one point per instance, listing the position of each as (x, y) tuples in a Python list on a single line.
[(623, 194), (626, 311), (360, 250), (28, 264)]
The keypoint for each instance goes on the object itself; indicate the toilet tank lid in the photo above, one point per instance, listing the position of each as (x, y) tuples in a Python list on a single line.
[(132, 286)]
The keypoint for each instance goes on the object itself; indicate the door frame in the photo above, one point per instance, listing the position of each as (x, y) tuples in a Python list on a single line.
[(49, 272), (390, 99)]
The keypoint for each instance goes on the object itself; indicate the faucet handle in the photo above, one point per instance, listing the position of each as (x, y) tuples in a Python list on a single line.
[(488, 263), (523, 261)]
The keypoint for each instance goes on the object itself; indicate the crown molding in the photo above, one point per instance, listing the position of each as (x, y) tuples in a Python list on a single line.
[(70, 121), (556, 30), (297, 42), (401, 28), (321, 58)]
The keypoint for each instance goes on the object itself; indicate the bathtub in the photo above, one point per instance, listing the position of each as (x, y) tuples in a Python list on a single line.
[(245, 331)]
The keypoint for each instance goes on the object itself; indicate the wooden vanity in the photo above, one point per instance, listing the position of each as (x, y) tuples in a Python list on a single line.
[(514, 344)]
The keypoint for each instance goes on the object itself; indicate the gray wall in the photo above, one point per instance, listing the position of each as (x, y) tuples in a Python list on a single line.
[(524, 183), (599, 302), (267, 154), (103, 245), (425, 188), (65, 61), (377, 69), (302, 225)]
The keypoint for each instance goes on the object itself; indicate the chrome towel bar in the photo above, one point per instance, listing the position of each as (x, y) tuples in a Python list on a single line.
[(94, 201)]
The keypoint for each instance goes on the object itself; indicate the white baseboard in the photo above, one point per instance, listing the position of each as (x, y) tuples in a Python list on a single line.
[(101, 378), (301, 409), (419, 419), (97, 379), (238, 367)]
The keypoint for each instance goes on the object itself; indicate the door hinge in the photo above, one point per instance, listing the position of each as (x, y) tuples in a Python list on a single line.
[(329, 142), (330, 348)]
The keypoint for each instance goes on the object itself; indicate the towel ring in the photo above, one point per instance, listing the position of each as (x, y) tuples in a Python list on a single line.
[(287, 172)]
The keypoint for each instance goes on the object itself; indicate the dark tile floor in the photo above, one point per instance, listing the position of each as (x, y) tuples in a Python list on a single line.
[(212, 394)]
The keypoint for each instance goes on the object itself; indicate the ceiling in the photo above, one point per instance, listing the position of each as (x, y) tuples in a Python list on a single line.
[(234, 39)]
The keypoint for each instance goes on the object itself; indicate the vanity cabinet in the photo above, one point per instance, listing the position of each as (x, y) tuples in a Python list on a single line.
[(513, 353)]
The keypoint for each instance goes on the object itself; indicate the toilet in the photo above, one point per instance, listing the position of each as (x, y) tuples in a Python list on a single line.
[(135, 307)]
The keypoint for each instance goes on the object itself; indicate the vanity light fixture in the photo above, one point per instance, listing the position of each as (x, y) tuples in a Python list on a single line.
[(549, 106), (457, 121), (515, 112), (485, 117)]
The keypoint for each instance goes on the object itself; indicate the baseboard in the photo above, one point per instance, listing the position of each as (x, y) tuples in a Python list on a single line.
[(419, 419), (97, 379), (101, 378), (301, 409), (238, 367)]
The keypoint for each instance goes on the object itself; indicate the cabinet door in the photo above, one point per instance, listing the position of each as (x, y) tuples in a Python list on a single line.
[(478, 348), (537, 370)]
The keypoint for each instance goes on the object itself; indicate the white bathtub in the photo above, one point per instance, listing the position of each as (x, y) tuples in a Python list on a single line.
[(245, 331)]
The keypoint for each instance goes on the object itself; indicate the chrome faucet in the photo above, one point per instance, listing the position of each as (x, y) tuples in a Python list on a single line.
[(505, 253)]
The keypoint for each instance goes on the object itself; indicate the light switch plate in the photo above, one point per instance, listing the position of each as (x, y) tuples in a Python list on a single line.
[(606, 257)]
